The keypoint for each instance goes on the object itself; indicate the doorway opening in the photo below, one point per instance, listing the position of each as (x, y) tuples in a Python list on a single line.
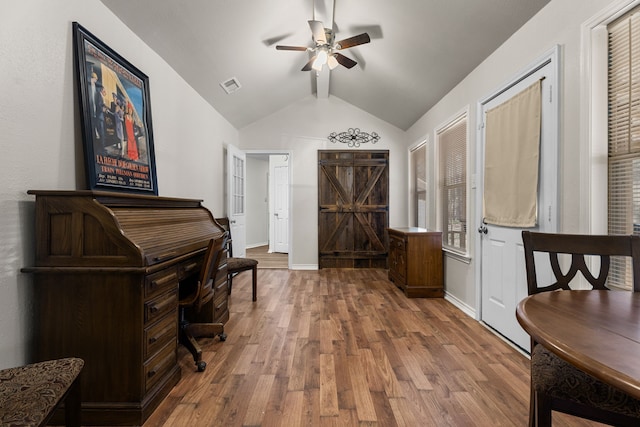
[(268, 208)]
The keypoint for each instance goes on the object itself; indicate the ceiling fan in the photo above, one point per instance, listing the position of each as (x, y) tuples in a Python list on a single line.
[(326, 49)]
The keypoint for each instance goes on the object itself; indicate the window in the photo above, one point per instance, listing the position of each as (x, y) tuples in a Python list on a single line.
[(452, 149), (419, 185), (623, 124), (238, 186)]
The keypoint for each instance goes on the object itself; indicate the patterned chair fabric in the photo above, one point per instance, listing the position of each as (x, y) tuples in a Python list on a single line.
[(554, 377), (30, 394)]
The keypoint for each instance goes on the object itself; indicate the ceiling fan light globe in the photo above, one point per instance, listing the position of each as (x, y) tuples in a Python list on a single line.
[(332, 62), (320, 60)]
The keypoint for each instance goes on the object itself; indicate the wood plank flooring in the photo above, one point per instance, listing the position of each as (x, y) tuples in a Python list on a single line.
[(266, 259), (347, 348)]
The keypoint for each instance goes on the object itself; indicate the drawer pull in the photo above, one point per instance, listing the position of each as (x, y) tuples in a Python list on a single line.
[(164, 280), (151, 373), (153, 309), (190, 267), (153, 340)]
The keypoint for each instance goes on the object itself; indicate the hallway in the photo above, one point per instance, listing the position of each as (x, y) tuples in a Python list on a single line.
[(266, 259)]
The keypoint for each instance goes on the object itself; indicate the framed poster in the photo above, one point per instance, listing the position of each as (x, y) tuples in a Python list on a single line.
[(116, 118)]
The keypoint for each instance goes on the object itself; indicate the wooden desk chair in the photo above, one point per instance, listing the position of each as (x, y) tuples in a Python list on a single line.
[(29, 395), (235, 265), (193, 296), (557, 385)]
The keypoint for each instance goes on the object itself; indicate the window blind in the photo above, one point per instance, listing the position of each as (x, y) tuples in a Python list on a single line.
[(623, 136), (452, 141)]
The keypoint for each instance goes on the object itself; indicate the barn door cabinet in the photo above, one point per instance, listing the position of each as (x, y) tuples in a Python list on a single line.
[(415, 261)]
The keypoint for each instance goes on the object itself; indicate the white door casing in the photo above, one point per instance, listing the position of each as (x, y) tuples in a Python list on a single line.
[(502, 275)]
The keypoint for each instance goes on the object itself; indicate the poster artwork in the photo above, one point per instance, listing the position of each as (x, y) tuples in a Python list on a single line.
[(116, 118)]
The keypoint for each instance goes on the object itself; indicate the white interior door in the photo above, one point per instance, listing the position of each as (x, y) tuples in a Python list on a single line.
[(280, 174), (503, 275), (236, 197)]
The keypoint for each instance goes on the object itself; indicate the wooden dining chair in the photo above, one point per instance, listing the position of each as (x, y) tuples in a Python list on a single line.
[(557, 385), (193, 296), (236, 265)]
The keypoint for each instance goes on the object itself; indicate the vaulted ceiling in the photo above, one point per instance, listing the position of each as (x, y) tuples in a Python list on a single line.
[(419, 49)]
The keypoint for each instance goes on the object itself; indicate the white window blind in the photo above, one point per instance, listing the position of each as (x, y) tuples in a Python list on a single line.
[(419, 184), (452, 143), (623, 137)]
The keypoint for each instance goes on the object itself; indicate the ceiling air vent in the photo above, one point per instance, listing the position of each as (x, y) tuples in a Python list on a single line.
[(231, 85)]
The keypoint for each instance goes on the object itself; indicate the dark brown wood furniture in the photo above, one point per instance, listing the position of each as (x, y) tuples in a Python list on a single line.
[(584, 343), (194, 296), (353, 201), (236, 265), (106, 278), (30, 394), (415, 261)]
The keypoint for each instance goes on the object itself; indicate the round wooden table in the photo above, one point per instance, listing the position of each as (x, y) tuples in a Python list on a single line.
[(596, 331)]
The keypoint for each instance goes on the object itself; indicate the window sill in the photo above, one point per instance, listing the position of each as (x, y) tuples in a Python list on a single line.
[(450, 253)]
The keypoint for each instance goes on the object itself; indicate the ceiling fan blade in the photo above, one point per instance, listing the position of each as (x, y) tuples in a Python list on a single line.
[(280, 47), (308, 65), (374, 31), (317, 28), (344, 61), (353, 41), (275, 39)]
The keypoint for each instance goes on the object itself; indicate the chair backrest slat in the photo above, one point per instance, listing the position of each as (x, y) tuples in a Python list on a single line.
[(209, 270), (578, 246)]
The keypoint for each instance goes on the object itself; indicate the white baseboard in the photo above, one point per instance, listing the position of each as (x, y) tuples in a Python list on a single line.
[(256, 245), (468, 310), (304, 267), (464, 307)]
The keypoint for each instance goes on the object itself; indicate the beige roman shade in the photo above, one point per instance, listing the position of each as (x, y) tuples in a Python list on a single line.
[(512, 155)]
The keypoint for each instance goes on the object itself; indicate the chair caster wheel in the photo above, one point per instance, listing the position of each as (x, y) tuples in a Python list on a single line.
[(223, 336), (201, 366)]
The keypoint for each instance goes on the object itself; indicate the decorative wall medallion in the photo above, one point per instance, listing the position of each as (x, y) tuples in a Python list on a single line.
[(354, 137)]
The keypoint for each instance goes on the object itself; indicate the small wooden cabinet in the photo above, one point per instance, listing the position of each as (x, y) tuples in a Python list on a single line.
[(415, 261)]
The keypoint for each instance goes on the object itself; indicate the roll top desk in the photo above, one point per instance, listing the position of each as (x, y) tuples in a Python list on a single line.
[(106, 277)]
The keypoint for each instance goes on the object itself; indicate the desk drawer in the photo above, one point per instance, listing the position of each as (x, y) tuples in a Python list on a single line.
[(159, 365), (221, 308), (160, 282), (158, 335), (221, 286), (189, 268), (160, 306)]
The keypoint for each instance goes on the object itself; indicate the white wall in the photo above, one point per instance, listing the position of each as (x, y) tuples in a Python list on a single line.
[(257, 225), (41, 139), (557, 24), (303, 128)]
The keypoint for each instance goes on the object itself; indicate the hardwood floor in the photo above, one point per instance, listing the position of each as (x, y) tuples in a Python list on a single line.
[(266, 259), (345, 347)]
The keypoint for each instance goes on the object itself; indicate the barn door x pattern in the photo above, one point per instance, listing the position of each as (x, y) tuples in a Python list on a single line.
[(353, 208)]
